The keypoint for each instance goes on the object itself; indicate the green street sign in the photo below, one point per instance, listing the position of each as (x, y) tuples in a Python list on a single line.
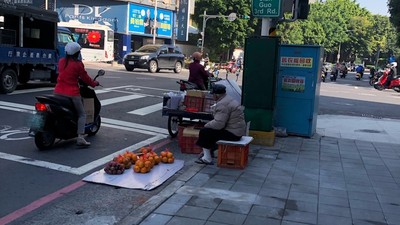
[(266, 8)]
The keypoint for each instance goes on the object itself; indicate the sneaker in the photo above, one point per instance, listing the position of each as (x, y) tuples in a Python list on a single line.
[(80, 141)]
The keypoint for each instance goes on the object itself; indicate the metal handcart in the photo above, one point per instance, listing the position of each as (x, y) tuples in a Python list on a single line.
[(177, 117)]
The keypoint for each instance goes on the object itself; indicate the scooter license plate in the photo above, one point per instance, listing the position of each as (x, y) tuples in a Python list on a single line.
[(37, 121)]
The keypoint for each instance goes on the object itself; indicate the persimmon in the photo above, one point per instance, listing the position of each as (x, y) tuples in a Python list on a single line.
[(144, 170), (171, 160), (164, 159), (136, 169), (139, 163), (170, 154), (163, 153)]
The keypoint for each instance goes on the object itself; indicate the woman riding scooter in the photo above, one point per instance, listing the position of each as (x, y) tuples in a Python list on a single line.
[(70, 70)]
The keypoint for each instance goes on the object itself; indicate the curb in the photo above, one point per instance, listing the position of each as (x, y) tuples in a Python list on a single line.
[(140, 213)]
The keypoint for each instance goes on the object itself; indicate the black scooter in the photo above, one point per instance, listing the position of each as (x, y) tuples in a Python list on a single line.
[(56, 118)]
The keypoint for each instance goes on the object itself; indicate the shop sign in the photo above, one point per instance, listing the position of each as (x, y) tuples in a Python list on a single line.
[(141, 21), (302, 62)]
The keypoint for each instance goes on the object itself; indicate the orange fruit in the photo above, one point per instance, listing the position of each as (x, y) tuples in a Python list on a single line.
[(136, 169)]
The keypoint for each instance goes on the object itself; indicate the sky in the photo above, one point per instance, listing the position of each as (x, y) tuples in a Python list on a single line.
[(375, 6)]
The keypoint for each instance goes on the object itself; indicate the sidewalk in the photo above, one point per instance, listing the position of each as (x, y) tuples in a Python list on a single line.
[(348, 173)]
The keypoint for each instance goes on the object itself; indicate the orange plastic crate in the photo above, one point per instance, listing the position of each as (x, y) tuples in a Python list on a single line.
[(188, 145), (233, 156), (193, 104), (207, 103)]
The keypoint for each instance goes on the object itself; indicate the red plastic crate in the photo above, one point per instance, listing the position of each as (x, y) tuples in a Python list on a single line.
[(187, 144), (233, 156), (207, 103), (193, 104)]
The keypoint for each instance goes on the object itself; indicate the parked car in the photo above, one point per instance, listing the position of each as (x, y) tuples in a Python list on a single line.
[(154, 58)]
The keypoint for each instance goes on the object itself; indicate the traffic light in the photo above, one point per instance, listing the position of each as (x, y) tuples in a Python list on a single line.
[(303, 8), (199, 42)]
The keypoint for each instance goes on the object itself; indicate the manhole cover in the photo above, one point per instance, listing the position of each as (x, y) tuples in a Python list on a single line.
[(369, 131)]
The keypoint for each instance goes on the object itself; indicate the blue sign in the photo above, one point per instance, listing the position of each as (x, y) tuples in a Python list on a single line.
[(183, 21), (110, 13), (141, 21)]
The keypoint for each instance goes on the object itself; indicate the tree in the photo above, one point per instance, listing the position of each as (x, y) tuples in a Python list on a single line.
[(394, 9), (221, 34)]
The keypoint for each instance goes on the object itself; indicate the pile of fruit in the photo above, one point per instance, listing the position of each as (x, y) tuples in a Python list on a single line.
[(142, 162), (114, 168)]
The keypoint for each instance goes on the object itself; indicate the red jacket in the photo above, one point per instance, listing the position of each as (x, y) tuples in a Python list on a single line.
[(68, 77)]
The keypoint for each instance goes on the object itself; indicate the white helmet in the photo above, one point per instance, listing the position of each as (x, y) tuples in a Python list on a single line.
[(393, 64), (72, 47)]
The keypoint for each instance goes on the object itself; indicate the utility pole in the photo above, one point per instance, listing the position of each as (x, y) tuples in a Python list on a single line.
[(231, 17)]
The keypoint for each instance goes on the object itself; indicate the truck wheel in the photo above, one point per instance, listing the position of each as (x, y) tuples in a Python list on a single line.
[(153, 67), (178, 67), (9, 81)]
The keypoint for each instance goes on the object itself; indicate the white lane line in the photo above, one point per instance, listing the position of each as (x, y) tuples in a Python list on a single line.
[(31, 91), (119, 99), (99, 162), (38, 163), (15, 109), (16, 105), (85, 168), (147, 110), (134, 125)]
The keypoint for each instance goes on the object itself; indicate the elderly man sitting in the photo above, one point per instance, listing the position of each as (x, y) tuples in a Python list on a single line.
[(228, 123)]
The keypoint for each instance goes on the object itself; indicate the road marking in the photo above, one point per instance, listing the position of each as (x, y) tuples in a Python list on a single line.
[(17, 92), (119, 99), (40, 202), (16, 105), (134, 125), (49, 198), (147, 110)]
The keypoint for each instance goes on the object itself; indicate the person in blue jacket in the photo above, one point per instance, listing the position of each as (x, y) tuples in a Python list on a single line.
[(360, 70)]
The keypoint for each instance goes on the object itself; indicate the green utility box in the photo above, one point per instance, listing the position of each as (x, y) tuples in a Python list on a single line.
[(259, 81)]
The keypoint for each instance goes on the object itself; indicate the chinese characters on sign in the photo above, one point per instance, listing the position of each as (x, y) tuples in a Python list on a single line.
[(141, 20), (293, 83), (303, 62)]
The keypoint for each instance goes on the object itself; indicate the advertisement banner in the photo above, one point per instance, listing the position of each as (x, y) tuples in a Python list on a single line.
[(141, 21), (183, 22), (109, 13)]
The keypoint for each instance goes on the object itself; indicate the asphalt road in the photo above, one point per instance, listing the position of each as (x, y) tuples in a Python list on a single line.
[(45, 187)]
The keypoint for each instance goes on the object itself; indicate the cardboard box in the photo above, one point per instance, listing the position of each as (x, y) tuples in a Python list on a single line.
[(88, 104), (187, 138), (196, 93)]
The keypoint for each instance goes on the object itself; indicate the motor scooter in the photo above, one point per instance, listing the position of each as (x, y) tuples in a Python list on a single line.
[(394, 83), (56, 117), (358, 76)]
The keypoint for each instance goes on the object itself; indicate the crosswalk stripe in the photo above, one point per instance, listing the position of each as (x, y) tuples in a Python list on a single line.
[(147, 110), (120, 99)]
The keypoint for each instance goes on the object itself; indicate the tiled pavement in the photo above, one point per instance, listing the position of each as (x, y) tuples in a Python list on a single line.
[(319, 180)]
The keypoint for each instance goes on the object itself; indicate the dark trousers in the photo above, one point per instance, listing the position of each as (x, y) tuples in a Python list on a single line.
[(208, 138)]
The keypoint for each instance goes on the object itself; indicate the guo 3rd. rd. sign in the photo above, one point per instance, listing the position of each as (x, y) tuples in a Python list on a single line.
[(266, 8)]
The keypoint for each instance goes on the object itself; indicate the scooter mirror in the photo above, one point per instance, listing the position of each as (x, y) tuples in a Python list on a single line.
[(101, 73)]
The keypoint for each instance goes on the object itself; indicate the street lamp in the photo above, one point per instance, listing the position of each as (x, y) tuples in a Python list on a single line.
[(231, 18), (155, 22)]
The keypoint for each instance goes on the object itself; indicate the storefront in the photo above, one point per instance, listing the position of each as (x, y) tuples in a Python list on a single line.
[(132, 23)]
